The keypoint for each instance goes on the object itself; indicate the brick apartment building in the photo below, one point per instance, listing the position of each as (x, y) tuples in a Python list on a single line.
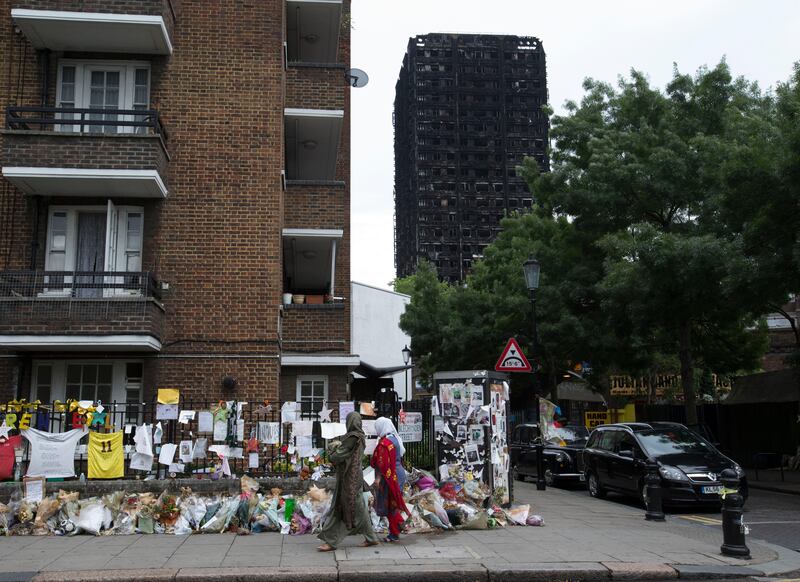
[(467, 111), (171, 169)]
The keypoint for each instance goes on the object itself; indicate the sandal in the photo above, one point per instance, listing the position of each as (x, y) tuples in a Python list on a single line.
[(366, 544), (391, 539), (325, 548)]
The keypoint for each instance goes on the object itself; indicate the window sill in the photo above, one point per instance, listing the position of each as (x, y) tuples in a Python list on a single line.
[(325, 183)]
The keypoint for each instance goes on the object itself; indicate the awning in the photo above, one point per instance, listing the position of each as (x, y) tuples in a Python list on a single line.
[(371, 372), (578, 391), (59, 30), (85, 182), (766, 388)]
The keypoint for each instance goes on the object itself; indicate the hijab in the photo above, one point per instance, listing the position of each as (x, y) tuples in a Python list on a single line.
[(353, 426), (385, 427)]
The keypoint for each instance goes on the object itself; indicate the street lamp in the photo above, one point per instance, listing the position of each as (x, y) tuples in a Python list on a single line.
[(406, 359), (532, 269)]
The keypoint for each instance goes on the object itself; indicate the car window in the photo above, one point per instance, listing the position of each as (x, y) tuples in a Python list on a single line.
[(609, 439), (668, 441), (627, 443), (515, 434)]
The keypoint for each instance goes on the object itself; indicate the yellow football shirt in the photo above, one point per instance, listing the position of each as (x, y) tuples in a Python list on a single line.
[(106, 456)]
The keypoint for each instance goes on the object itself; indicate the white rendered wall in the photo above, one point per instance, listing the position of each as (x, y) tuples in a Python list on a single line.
[(377, 337)]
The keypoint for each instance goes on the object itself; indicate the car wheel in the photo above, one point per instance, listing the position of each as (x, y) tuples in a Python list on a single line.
[(595, 488), (516, 474), (549, 480)]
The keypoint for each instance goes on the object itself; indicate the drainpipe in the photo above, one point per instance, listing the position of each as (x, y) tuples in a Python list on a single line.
[(44, 61)]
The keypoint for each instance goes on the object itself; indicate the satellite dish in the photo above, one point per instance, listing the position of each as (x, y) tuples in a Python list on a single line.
[(356, 77)]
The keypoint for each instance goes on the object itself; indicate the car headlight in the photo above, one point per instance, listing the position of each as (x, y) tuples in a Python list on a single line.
[(672, 473), (739, 471), (562, 458)]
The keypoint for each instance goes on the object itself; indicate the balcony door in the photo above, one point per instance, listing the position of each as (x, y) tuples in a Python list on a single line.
[(104, 85), (90, 255), (94, 239)]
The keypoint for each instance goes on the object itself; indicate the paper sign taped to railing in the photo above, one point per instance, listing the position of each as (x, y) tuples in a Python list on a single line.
[(410, 428)]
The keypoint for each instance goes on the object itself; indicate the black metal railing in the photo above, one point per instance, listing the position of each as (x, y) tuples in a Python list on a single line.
[(123, 285), (86, 120), (40, 297), (274, 458)]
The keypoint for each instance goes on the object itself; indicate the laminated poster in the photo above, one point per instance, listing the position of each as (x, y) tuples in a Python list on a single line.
[(184, 416), (332, 430), (205, 421), (220, 430), (346, 408), (168, 395), (166, 411), (141, 462), (461, 432), (302, 428), (252, 461), (473, 457), (367, 409), (370, 446), (176, 467), (269, 433), (290, 411), (167, 454), (368, 426), (186, 451), (200, 447), (475, 433)]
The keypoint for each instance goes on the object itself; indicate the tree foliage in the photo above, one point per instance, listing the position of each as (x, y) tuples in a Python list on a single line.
[(667, 226)]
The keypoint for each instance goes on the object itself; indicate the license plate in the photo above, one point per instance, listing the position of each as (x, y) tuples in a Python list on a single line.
[(713, 489)]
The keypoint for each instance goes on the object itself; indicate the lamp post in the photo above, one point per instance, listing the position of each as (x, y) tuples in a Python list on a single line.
[(407, 353), (531, 268)]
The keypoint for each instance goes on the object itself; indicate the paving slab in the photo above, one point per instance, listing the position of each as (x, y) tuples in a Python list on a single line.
[(710, 572), (16, 576), (406, 571), (640, 571), (547, 571), (104, 576)]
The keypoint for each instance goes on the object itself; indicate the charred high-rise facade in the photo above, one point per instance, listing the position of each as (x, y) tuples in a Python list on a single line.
[(467, 110)]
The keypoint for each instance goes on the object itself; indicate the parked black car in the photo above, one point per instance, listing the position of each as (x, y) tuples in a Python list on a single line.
[(561, 459), (615, 459)]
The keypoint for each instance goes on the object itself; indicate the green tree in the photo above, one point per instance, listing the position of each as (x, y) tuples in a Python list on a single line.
[(640, 170)]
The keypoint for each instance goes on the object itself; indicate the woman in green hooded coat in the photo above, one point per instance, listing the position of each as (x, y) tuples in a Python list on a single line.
[(349, 514)]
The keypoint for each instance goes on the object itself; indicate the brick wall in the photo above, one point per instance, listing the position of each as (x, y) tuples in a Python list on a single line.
[(315, 87), (337, 381), (10, 369), (216, 240), (313, 328), (64, 150), (76, 317)]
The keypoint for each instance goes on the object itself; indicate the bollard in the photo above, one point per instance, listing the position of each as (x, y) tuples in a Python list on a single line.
[(653, 499), (733, 542), (540, 483)]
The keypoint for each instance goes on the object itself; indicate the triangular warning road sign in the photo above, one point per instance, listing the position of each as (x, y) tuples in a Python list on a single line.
[(512, 359)]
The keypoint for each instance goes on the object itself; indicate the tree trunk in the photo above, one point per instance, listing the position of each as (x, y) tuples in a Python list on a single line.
[(687, 373)]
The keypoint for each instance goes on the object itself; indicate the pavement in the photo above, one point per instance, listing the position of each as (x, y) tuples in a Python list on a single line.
[(583, 539), (771, 480)]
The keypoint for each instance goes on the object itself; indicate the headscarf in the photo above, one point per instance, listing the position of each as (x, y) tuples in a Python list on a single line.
[(353, 426), (385, 427)]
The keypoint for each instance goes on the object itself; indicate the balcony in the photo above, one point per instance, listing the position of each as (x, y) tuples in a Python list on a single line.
[(312, 144), (309, 261), (312, 30), (69, 151), (80, 311), (104, 26)]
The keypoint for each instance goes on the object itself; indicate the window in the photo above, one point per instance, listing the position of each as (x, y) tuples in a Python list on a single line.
[(106, 380), (133, 391), (103, 85), (311, 392), (89, 382), (44, 383), (94, 239)]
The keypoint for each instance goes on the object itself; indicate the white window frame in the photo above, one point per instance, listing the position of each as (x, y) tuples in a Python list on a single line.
[(311, 378), (116, 242), (83, 70), (58, 378)]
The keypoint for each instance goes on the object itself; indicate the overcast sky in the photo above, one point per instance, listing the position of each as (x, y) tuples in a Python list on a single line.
[(582, 38)]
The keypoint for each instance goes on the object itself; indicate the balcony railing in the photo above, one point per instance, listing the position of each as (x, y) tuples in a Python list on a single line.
[(86, 120), (27, 296)]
